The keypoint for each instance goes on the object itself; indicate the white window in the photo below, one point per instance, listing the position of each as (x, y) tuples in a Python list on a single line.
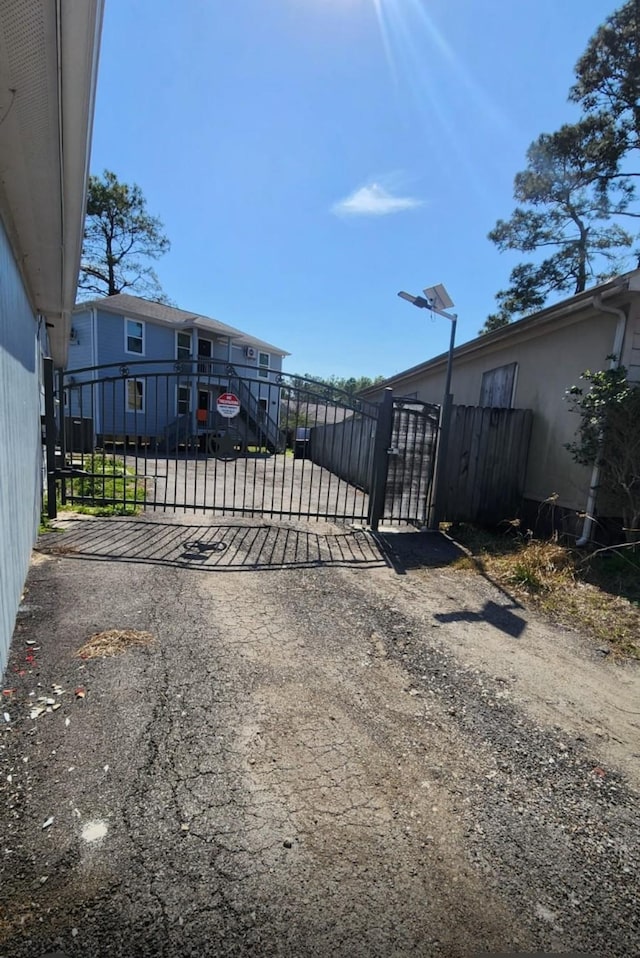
[(134, 337), (264, 361), (183, 400), (498, 386), (135, 395), (183, 346)]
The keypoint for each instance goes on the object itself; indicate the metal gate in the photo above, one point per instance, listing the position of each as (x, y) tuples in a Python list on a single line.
[(205, 436), (404, 462)]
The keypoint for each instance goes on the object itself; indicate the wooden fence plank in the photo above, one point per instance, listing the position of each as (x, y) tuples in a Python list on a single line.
[(486, 463)]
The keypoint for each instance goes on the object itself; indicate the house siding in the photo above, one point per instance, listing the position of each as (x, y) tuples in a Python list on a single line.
[(102, 342), (81, 348), (631, 355), (21, 449), (550, 360)]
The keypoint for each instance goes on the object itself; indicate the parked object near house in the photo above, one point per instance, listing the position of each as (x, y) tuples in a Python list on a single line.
[(178, 364), (48, 64), (529, 365)]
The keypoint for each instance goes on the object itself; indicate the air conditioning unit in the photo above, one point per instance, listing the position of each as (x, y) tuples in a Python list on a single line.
[(251, 352)]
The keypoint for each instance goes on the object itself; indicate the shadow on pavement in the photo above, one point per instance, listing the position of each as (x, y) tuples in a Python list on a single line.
[(416, 550), (241, 546), (499, 616)]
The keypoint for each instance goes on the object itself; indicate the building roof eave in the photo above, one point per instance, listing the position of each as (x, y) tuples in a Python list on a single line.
[(567, 310), (136, 307), (45, 164)]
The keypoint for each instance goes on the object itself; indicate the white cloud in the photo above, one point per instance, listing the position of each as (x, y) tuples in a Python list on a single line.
[(373, 200)]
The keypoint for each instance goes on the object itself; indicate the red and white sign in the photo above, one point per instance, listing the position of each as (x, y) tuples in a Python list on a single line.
[(228, 405)]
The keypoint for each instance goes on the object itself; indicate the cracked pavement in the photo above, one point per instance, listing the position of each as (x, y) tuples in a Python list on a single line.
[(334, 746)]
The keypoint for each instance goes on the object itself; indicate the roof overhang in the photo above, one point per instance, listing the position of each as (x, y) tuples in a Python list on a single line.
[(48, 70), (616, 292), (136, 307)]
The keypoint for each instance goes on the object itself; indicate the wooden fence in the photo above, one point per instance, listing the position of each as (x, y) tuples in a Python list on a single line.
[(486, 464), (344, 448)]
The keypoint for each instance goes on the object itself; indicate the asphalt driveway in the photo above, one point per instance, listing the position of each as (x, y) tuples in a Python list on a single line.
[(330, 744)]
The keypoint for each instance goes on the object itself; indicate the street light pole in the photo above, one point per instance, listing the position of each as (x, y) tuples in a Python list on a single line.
[(436, 299)]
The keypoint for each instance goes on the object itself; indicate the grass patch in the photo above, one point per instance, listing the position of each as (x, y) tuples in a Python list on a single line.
[(598, 593), (109, 489)]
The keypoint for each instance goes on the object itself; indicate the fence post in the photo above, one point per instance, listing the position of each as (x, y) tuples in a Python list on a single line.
[(62, 435), (380, 462), (442, 463), (50, 438)]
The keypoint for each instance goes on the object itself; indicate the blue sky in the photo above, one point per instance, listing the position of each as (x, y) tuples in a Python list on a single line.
[(310, 158)]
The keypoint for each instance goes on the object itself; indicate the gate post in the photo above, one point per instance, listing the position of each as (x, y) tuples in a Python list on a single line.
[(50, 438), (380, 463), (442, 463)]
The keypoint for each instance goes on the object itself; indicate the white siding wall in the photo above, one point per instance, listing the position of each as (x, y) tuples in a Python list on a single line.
[(20, 448)]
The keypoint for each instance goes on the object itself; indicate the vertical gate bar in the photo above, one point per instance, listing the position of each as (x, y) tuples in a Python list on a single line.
[(324, 478), (423, 472), (152, 462), (334, 482), (415, 472), (303, 462), (113, 417), (187, 444), (423, 469), (50, 437), (81, 430), (235, 488), (61, 435), (441, 462), (296, 419), (347, 484), (275, 451), (99, 386), (165, 455), (274, 479), (318, 469), (365, 433), (212, 451), (344, 484), (364, 452), (205, 448), (176, 461), (380, 462), (192, 440), (122, 409), (328, 436), (257, 452), (308, 464), (389, 507)]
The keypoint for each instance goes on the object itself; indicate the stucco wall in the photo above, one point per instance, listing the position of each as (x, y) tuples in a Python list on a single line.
[(550, 360), (20, 448)]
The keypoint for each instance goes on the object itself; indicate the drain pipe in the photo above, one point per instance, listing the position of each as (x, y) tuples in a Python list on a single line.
[(614, 362)]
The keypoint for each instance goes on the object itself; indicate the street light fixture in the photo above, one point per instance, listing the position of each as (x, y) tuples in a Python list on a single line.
[(438, 301)]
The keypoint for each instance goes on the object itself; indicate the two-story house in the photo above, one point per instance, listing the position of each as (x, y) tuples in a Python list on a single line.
[(163, 370)]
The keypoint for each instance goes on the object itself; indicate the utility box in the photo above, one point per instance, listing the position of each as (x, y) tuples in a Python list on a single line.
[(78, 434), (302, 445)]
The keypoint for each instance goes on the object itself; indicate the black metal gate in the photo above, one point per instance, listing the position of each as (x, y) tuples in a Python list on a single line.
[(202, 435)]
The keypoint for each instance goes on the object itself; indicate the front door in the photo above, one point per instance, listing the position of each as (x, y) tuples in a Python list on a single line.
[(204, 405)]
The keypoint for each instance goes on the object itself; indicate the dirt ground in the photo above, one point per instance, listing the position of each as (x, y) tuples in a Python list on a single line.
[(333, 745)]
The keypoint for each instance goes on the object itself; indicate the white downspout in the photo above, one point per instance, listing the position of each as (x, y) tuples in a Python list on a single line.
[(614, 362)]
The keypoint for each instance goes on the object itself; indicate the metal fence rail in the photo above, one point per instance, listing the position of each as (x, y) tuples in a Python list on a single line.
[(152, 435)]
